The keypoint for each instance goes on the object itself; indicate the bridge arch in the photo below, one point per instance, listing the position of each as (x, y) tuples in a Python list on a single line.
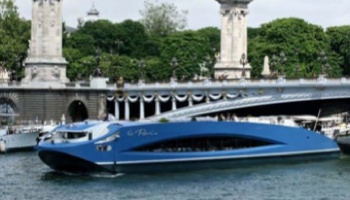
[(250, 98), (77, 109), (8, 107)]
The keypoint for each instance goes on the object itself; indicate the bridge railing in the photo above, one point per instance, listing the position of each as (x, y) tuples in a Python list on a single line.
[(240, 83)]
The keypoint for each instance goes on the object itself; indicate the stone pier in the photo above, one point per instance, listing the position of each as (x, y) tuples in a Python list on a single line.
[(45, 63), (234, 36)]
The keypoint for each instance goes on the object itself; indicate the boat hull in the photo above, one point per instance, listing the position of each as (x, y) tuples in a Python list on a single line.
[(68, 163), (344, 144), (20, 141), (222, 164)]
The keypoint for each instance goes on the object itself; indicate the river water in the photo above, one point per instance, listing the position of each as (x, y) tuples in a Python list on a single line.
[(24, 176)]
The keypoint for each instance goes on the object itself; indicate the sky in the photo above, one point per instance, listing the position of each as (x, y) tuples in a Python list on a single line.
[(205, 13)]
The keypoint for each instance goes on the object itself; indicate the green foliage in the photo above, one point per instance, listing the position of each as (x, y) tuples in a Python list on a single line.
[(126, 67), (104, 33), (164, 120), (153, 70), (300, 41), (340, 44), (162, 19), (74, 70), (213, 35), (84, 43), (14, 36), (133, 37), (190, 49)]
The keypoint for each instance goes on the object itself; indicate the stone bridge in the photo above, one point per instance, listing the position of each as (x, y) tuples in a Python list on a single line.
[(208, 97)]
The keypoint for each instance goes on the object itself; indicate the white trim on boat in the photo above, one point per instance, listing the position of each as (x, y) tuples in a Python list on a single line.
[(221, 157)]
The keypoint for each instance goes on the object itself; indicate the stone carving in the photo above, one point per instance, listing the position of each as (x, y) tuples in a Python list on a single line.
[(218, 57), (52, 17), (40, 18), (224, 12), (229, 26), (56, 72), (34, 72), (102, 108), (80, 22)]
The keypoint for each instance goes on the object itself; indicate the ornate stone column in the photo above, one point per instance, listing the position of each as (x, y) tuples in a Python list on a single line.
[(142, 108), (190, 100), (157, 111), (173, 102), (127, 109), (233, 39), (44, 61), (116, 109)]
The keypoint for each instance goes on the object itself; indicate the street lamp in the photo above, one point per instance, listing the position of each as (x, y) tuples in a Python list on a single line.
[(174, 63), (324, 61), (243, 61), (142, 66), (118, 43), (208, 62), (98, 71), (273, 64), (113, 70), (278, 61), (283, 60)]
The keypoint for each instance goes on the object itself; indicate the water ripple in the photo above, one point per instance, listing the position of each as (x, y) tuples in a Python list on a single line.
[(23, 176)]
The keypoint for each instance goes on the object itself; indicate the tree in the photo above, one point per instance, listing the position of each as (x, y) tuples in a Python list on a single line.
[(103, 32), (85, 43), (301, 43), (340, 43), (73, 57), (14, 36), (161, 19), (190, 48), (213, 34), (133, 37)]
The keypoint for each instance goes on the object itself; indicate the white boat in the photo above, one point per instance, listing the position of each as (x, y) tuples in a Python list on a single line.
[(330, 126), (17, 138)]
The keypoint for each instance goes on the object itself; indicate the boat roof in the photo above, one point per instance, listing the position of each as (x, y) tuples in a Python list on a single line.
[(312, 118), (88, 125)]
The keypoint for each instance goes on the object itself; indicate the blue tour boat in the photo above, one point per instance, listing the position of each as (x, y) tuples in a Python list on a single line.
[(144, 147)]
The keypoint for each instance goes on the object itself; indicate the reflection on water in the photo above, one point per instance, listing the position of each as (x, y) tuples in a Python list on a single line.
[(23, 176)]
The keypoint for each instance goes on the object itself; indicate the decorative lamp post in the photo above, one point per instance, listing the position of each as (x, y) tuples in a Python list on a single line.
[(243, 61), (174, 63), (283, 60), (98, 71), (324, 61), (142, 66), (13, 73), (273, 64), (118, 43), (113, 67), (297, 71), (208, 62), (88, 69)]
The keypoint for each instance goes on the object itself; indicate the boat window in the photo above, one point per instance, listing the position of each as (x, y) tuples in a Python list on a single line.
[(73, 135), (204, 144)]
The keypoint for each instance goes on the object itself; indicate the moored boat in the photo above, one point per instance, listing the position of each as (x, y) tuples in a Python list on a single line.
[(144, 147), (18, 138)]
